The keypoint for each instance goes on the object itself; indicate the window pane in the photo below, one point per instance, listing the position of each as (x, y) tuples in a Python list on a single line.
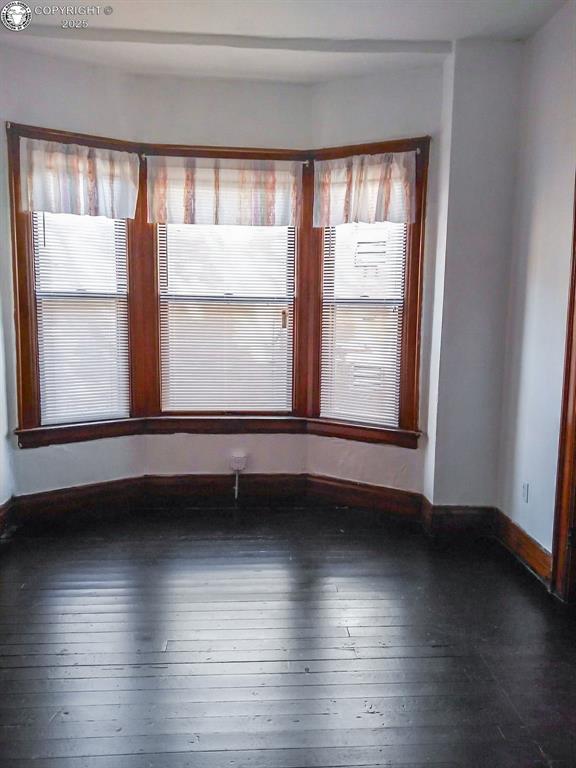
[(366, 261), (360, 363), (82, 313), (226, 307), (83, 360), (362, 312), (79, 253), (226, 357), (228, 261)]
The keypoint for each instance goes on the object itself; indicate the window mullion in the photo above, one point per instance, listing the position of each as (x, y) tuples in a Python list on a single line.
[(308, 306), (143, 309)]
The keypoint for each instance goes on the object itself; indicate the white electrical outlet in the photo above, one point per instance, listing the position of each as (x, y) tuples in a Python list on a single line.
[(525, 492), (238, 461)]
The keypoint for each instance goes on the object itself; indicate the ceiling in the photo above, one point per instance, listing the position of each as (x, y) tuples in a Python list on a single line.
[(299, 41)]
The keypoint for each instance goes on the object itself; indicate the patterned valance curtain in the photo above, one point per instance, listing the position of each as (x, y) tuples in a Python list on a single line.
[(365, 188), (191, 190), (70, 178)]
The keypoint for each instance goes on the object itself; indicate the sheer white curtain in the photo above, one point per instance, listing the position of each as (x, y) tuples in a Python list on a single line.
[(69, 178), (189, 190), (365, 188)]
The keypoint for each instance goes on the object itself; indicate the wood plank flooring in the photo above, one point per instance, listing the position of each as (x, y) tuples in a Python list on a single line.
[(277, 639)]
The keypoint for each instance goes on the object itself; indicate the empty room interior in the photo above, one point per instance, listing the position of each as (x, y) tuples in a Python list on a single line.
[(288, 384)]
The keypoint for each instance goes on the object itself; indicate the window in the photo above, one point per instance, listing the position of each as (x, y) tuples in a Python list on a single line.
[(226, 317), (362, 314), (82, 316), (173, 289)]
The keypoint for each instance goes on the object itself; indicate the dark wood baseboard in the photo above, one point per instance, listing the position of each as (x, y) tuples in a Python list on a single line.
[(258, 490), (491, 522), (523, 546), (5, 514), (155, 491), (218, 490), (347, 493), (79, 501), (443, 520)]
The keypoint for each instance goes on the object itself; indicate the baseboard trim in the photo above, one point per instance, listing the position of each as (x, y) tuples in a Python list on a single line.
[(348, 493), (441, 520), (5, 510), (261, 490), (523, 546), (156, 491), (63, 502), (489, 522), (218, 490)]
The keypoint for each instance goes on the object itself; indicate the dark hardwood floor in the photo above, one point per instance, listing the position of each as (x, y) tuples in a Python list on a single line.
[(276, 639)]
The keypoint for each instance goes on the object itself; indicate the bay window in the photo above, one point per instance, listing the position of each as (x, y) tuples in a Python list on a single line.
[(176, 289)]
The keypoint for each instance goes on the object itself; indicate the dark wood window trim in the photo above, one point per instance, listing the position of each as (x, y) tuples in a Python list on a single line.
[(146, 416), (215, 425), (564, 551), (404, 438)]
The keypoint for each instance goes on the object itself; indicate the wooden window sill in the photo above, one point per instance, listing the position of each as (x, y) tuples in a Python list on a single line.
[(403, 438), (215, 425)]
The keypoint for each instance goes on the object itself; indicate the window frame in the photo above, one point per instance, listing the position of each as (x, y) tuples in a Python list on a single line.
[(51, 296), (146, 416), (229, 413), (354, 303)]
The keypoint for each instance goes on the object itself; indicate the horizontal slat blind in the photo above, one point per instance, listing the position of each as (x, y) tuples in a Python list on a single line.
[(226, 317), (362, 313), (82, 312)]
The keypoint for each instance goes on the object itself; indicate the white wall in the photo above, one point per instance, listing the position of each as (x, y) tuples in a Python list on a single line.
[(478, 242), (58, 93), (434, 278), (64, 466), (393, 104), (97, 461), (210, 454), (70, 96), (369, 463), (541, 270)]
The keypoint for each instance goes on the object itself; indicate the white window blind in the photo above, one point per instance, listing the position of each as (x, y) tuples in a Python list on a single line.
[(226, 317), (362, 312), (82, 313)]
